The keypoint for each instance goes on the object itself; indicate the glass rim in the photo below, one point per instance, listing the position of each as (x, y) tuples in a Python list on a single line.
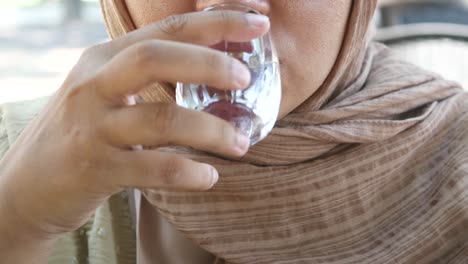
[(242, 7)]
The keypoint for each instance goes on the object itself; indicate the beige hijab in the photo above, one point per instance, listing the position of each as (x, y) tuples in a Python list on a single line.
[(373, 168)]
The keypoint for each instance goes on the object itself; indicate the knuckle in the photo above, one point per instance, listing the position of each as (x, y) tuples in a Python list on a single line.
[(95, 52), (174, 25), (77, 91), (82, 134), (82, 149), (163, 118), (172, 171), (90, 51), (147, 54), (74, 90)]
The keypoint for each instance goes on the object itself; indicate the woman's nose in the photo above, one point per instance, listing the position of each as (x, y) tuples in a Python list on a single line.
[(262, 6)]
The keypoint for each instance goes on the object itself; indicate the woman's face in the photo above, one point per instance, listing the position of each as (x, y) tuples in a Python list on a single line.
[(307, 35)]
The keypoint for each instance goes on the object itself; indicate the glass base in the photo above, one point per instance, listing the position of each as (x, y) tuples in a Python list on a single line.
[(239, 115)]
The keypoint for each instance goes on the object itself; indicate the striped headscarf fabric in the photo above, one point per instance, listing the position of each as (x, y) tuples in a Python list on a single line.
[(373, 168)]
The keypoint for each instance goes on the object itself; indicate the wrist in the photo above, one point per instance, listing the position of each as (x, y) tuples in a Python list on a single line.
[(20, 241)]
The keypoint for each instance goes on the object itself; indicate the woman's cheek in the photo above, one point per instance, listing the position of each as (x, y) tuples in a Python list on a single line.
[(147, 12), (308, 39)]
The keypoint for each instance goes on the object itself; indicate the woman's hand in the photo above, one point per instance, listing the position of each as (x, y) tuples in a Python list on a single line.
[(77, 152)]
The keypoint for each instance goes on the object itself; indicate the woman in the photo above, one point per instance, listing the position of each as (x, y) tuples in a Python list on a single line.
[(367, 163)]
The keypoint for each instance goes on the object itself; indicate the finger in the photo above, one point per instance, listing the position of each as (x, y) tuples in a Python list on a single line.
[(202, 28), (167, 61), (160, 124), (151, 169)]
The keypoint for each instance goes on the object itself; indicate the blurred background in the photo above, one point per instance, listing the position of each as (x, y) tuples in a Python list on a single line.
[(41, 40)]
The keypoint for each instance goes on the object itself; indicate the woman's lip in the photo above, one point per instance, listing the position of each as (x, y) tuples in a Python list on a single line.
[(262, 6)]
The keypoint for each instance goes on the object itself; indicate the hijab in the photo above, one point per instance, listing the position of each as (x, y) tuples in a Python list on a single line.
[(372, 168)]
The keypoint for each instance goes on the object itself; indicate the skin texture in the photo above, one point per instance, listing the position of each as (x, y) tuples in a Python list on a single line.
[(307, 35), (78, 151)]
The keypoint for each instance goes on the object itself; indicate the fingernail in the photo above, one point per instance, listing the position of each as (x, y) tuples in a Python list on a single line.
[(214, 177), (243, 143), (241, 75), (257, 21)]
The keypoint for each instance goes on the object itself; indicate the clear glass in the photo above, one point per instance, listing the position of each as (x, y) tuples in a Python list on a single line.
[(253, 110)]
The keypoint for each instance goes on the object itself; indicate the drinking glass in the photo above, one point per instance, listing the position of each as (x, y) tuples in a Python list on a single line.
[(254, 110)]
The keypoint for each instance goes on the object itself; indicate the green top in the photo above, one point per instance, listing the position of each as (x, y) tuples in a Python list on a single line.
[(108, 237)]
